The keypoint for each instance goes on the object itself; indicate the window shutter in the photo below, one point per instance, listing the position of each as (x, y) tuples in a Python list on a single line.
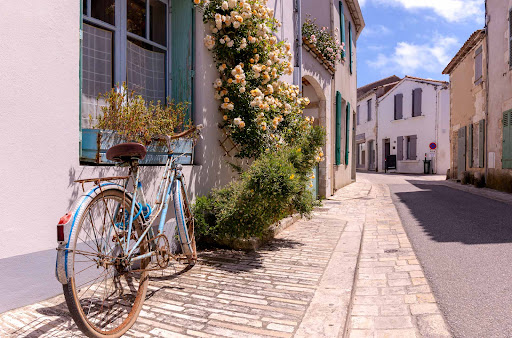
[(347, 134), (414, 141), (470, 145), (507, 140), (350, 45), (400, 148), (342, 25), (182, 52), (369, 109), (357, 115), (337, 151), (416, 102), (398, 106), (478, 65), (481, 143)]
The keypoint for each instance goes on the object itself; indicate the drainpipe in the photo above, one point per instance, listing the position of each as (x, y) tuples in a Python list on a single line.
[(297, 74), (438, 103)]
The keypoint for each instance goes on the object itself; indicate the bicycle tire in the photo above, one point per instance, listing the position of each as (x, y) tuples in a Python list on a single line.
[(125, 300), (185, 222)]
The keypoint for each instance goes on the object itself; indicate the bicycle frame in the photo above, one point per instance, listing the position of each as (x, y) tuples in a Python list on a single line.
[(172, 172)]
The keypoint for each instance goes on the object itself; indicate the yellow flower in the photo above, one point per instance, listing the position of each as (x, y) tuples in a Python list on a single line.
[(292, 176), (225, 117), (226, 99), (299, 150)]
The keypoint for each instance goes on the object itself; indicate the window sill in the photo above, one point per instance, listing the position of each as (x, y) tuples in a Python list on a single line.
[(409, 161), (408, 118)]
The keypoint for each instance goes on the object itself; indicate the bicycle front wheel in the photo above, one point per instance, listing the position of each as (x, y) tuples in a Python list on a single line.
[(105, 293), (185, 222)]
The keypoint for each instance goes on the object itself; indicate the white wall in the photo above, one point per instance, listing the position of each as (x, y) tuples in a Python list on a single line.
[(425, 126), (368, 128)]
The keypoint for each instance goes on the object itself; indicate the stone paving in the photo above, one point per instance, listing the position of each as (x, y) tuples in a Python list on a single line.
[(301, 284)]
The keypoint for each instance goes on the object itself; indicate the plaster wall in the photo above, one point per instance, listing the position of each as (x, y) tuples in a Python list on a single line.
[(367, 128), (428, 127), (467, 106), (500, 80)]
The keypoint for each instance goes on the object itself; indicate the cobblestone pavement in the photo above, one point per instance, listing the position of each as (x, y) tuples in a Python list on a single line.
[(301, 284)]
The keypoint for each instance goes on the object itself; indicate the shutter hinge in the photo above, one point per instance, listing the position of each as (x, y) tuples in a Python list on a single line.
[(81, 34), (192, 73)]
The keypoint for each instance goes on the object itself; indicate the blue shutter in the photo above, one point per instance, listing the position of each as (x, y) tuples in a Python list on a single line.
[(400, 148), (337, 150), (470, 145), (347, 134), (350, 44), (481, 143), (182, 52), (342, 24), (507, 140)]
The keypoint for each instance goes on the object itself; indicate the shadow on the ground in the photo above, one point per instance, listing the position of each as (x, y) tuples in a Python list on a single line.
[(234, 261), (451, 215)]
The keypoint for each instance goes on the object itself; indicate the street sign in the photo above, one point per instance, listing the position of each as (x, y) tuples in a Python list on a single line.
[(433, 146)]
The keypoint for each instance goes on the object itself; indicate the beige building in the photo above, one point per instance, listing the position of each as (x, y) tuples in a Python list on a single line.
[(481, 102), (499, 129), (468, 89)]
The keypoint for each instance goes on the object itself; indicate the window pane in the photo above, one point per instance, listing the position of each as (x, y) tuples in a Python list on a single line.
[(137, 17), (97, 75), (104, 10), (145, 71), (158, 22), (84, 8)]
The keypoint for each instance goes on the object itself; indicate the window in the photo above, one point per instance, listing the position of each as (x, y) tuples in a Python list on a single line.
[(369, 103), (128, 41), (416, 102), (510, 37), (399, 99), (478, 66), (411, 147), (117, 49), (357, 114)]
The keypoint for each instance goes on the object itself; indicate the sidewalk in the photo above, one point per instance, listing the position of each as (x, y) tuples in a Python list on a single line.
[(301, 284)]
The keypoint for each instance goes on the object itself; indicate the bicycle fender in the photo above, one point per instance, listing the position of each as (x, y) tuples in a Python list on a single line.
[(63, 265)]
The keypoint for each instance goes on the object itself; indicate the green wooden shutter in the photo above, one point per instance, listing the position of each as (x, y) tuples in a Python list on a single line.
[(481, 143), (182, 52), (507, 140), (337, 151), (342, 24), (350, 45), (470, 145), (510, 38), (347, 134)]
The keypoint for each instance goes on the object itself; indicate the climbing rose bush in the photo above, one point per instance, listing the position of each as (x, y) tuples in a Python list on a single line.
[(263, 116)]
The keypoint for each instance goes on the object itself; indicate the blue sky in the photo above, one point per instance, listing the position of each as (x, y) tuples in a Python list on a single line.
[(413, 37)]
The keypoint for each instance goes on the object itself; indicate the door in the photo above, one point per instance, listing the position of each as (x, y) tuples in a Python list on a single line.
[(371, 155), (461, 152)]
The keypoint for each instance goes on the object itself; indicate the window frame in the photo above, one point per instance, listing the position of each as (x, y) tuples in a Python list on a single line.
[(479, 54), (369, 109)]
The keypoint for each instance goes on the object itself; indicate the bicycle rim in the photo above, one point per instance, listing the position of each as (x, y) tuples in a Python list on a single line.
[(185, 222), (105, 298)]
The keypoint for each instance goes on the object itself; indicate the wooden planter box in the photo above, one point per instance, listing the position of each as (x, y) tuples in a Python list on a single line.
[(310, 47), (95, 144)]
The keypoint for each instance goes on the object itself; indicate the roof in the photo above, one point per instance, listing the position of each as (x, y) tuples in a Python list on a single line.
[(417, 79), (362, 91), (473, 40), (357, 15)]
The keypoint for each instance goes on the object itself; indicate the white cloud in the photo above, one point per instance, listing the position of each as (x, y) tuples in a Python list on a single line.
[(451, 10), (377, 30), (362, 2), (410, 58)]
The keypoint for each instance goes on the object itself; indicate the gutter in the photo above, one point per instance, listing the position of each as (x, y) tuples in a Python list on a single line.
[(486, 37), (297, 78)]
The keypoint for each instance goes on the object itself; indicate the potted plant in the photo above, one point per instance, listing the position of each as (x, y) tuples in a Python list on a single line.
[(127, 117)]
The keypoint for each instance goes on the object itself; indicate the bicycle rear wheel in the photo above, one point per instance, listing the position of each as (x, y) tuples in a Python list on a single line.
[(185, 222), (104, 294)]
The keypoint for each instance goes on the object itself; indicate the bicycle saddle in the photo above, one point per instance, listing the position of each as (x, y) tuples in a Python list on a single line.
[(126, 151)]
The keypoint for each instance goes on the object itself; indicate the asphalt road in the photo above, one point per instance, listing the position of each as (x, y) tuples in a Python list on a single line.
[(464, 243)]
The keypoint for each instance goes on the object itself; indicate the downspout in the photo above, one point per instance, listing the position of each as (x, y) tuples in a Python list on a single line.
[(333, 94), (486, 123), (438, 103), (297, 78)]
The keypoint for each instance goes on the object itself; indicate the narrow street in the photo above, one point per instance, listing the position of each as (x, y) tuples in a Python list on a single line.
[(464, 244)]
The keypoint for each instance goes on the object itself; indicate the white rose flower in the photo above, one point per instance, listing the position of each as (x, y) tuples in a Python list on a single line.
[(231, 3), (230, 44), (225, 5), (242, 90)]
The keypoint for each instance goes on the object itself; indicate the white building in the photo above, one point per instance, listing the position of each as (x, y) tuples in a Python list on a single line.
[(413, 115), (366, 121), (54, 61)]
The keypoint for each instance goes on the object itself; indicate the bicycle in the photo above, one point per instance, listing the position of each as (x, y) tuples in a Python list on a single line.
[(107, 244)]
